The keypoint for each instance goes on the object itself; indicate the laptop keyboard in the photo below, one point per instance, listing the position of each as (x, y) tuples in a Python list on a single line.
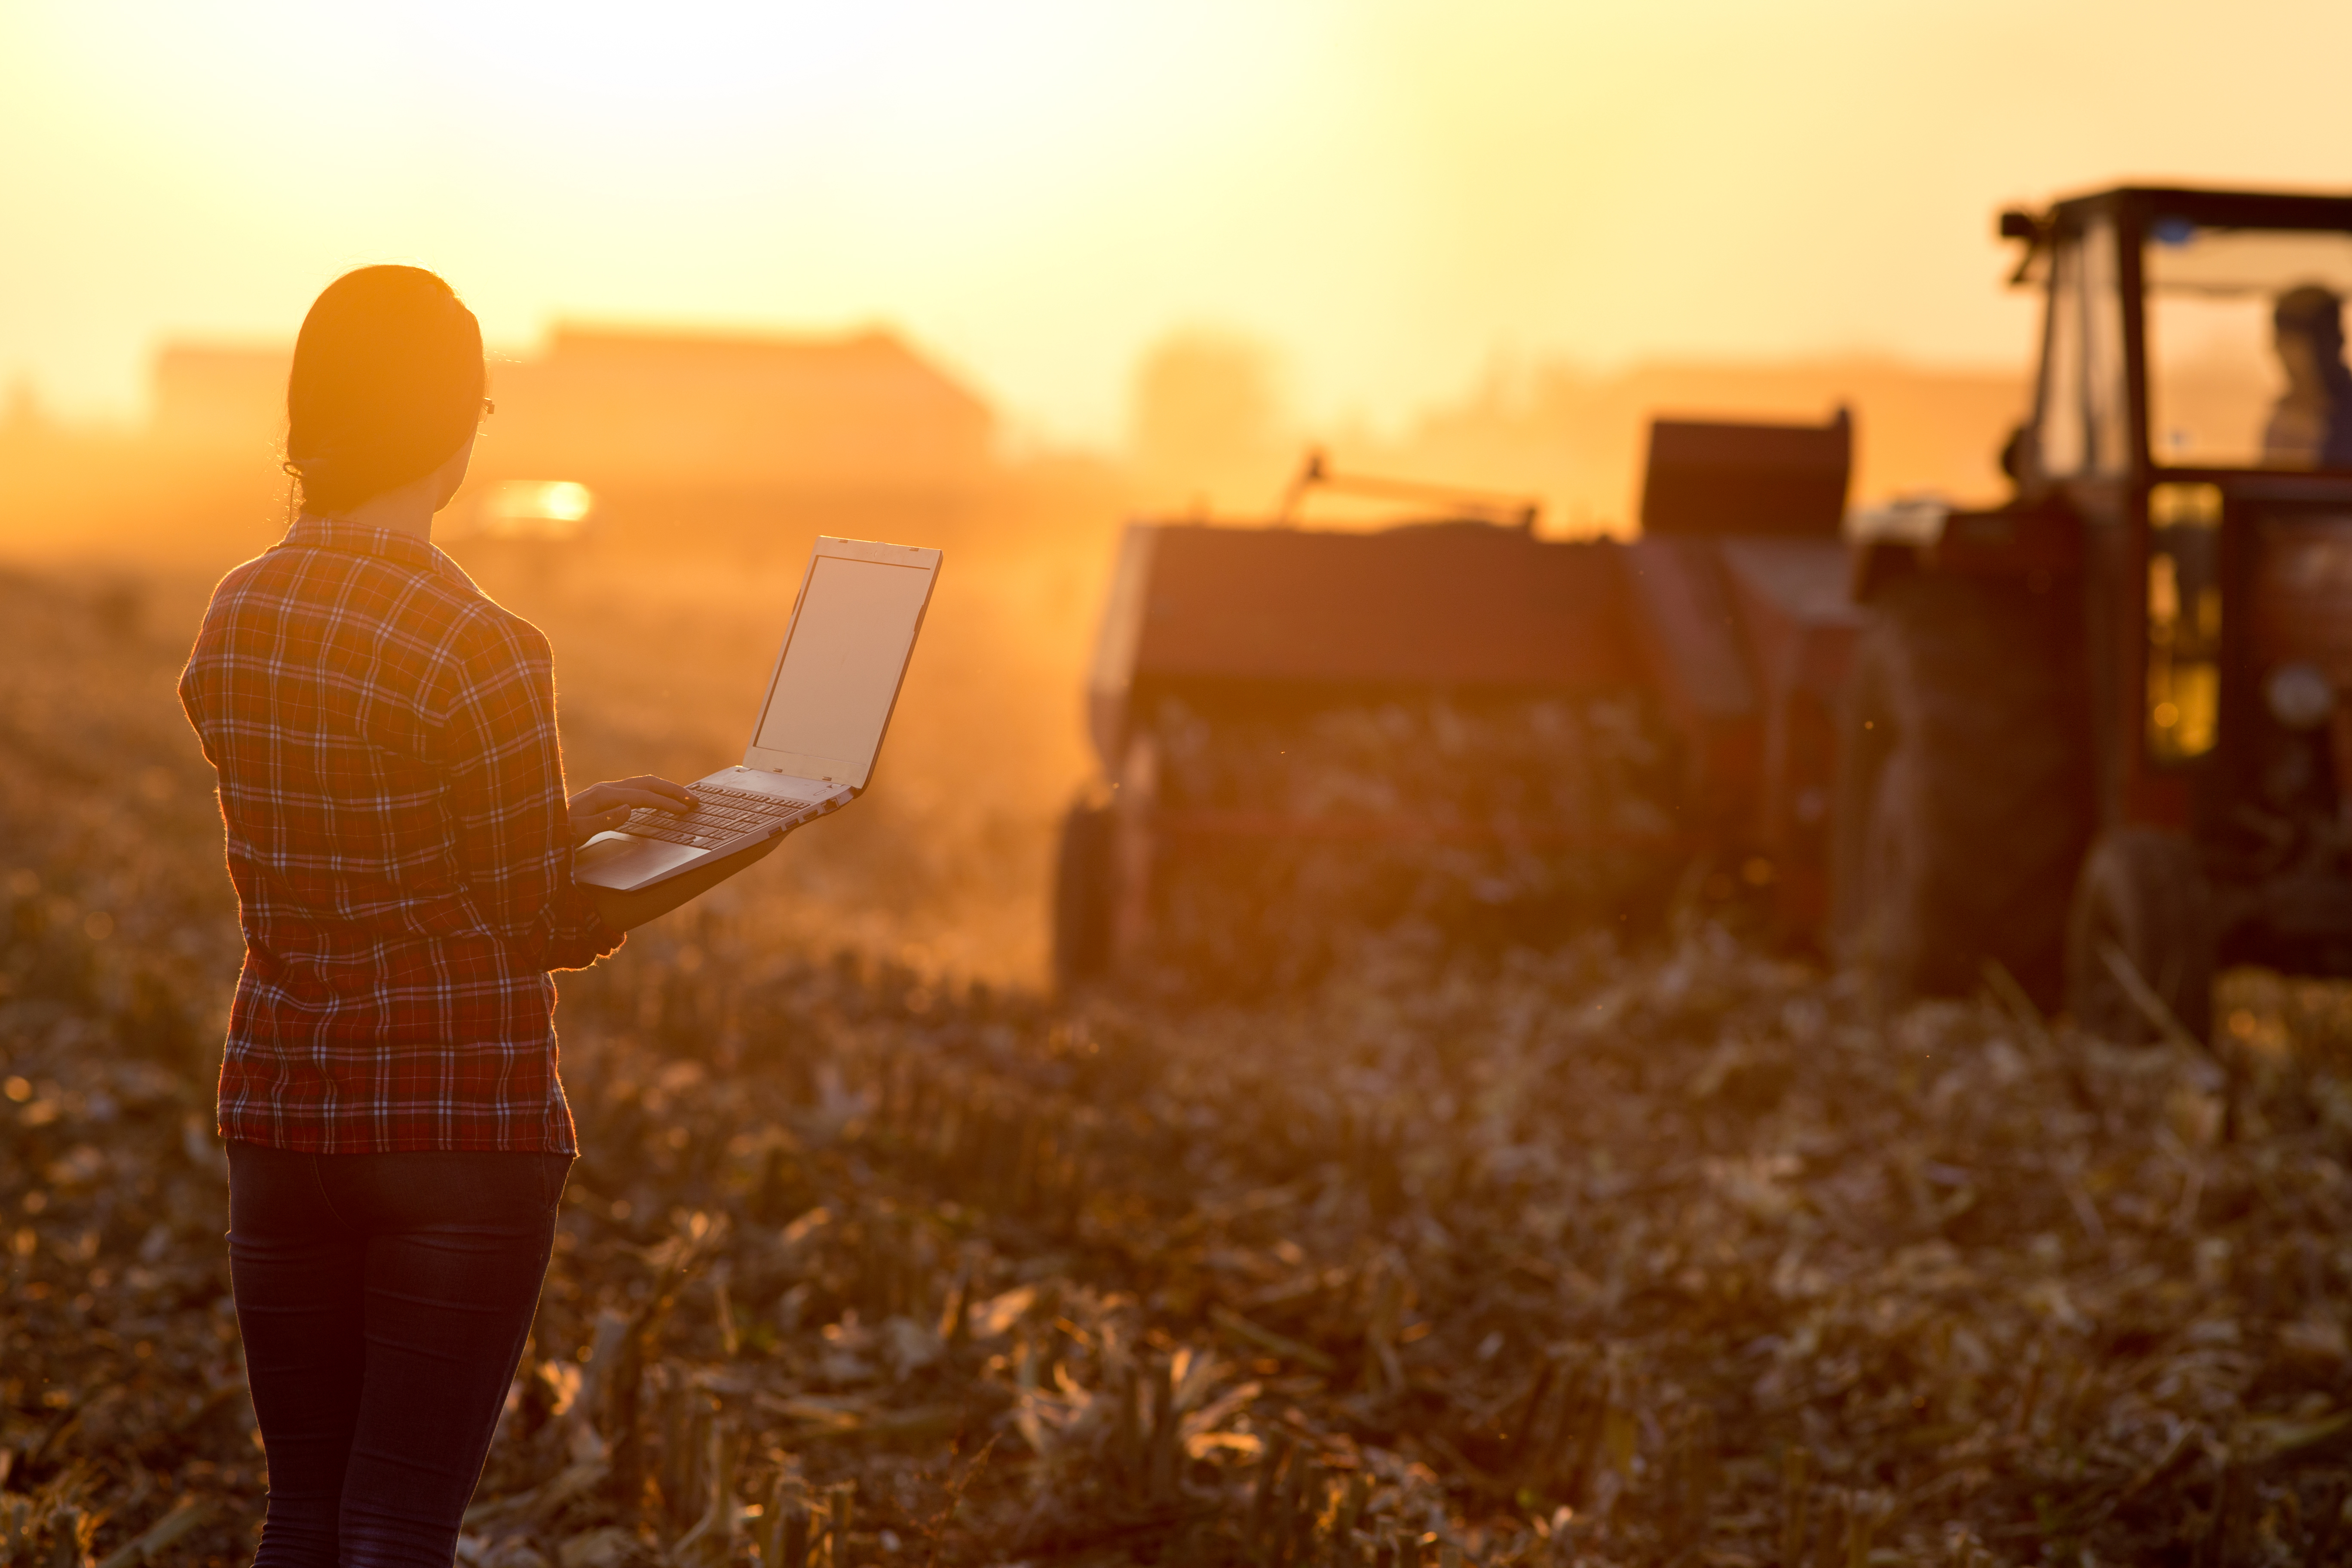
[(721, 816)]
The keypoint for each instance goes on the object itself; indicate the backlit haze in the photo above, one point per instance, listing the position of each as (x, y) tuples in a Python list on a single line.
[(1395, 200), (996, 278), (1468, 1161)]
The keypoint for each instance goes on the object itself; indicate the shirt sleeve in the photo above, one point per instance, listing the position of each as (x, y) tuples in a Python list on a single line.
[(506, 799), (191, 705)]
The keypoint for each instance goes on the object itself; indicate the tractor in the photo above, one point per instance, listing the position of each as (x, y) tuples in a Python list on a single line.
[(2093, 735), (2085, 744)]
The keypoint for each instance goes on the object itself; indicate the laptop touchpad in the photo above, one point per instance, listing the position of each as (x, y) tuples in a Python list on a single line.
[(618, 861)]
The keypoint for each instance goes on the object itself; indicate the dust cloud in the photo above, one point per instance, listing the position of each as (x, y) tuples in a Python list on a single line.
[(1213, 434), (714, 460)]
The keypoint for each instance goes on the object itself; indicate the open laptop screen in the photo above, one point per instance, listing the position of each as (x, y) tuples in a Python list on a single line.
[(841, 664)]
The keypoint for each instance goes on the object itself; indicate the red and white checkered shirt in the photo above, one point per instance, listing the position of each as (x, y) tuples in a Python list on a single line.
[(393, 796)]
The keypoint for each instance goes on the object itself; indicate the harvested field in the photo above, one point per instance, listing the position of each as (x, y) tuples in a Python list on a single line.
[(1583, 1254)]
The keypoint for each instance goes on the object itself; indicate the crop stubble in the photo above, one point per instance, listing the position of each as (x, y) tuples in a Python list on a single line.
[(1685, 1255)]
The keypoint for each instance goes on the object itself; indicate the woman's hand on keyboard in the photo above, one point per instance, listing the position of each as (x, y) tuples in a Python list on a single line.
[(602, 807)]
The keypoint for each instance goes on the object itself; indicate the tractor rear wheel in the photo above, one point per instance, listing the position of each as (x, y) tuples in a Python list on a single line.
[(1962, 801), (2143, 902), (1082, 895)]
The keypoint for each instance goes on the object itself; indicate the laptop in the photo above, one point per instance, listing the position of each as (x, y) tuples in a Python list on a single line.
[(818, 729)]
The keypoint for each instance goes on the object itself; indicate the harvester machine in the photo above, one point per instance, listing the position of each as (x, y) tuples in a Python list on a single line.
[(2089, 743), (1461, 720)]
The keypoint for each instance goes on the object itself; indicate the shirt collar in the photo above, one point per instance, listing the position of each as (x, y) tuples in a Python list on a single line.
[(310, 533)]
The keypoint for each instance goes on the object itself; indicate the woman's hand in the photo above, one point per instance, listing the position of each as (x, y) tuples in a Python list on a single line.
[(603, 806)]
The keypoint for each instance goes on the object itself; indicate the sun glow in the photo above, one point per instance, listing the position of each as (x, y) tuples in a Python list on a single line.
[(1398, 197), (543, 512)]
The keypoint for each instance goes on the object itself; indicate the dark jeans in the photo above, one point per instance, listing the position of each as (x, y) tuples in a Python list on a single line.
[(384, 1300)]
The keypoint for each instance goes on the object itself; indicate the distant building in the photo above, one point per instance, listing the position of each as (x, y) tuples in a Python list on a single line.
[(858, 413), (862, 412)]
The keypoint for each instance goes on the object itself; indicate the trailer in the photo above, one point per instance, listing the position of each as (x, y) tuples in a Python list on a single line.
[(1727, 622)]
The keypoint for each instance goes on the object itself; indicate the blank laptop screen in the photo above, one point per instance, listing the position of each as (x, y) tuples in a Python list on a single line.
[(841, 668)]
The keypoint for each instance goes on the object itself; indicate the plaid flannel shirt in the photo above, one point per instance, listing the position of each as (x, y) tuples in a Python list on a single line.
[(392, 792)]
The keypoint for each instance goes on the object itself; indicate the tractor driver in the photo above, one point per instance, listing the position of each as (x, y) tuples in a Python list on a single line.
[(2311, 425)]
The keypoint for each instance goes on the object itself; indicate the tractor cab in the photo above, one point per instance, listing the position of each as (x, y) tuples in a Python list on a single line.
[(2174, 574)]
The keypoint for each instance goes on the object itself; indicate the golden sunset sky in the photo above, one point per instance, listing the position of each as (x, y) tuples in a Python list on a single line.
[(1395, 195)]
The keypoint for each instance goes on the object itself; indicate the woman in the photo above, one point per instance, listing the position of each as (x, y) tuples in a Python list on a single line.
[(398, 834)]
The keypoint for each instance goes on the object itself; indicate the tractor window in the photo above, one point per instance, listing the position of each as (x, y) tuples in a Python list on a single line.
[(2084, 428), (2184, 620), (2246, 365)]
